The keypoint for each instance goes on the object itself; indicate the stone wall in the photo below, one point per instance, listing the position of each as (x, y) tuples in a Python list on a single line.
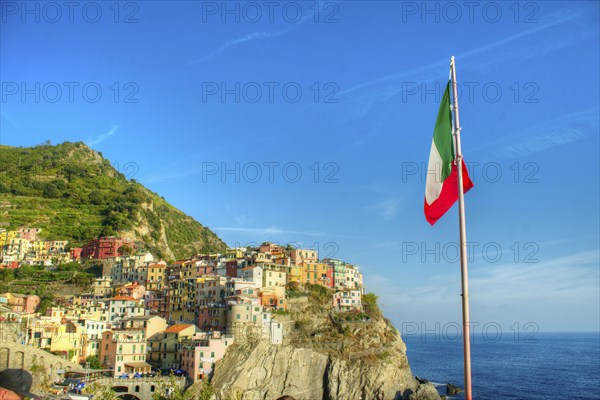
[(44, 367), (142, 388)]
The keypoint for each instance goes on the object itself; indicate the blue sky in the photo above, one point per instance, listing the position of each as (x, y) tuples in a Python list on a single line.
[(310, 123)]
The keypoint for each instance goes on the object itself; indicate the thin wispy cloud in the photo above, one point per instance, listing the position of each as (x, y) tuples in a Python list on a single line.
[(361, 98), (102, 137), (570, 280), (181, 167), (265, 35), (241, 219), (172, 176), (386, 209), (468, 59), (568, 277), (5, 116), (552, 133), (236, 42), (267, 231)]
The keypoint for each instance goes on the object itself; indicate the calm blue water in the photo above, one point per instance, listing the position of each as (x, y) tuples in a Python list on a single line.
[(549, 366)]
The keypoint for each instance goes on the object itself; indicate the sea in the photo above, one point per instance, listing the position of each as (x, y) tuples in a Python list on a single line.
[(541, 366)]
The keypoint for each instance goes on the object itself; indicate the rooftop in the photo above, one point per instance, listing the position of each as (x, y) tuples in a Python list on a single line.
[(177, 328), (122, 298)]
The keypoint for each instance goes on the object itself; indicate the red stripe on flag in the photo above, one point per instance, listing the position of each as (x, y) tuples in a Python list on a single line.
[(449, 195)]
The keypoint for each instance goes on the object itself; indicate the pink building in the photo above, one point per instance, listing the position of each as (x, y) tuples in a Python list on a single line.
[(75, 253), (212, 317), (134, 290), (199, 355), (124, 351), (22, 303), (347, 300), (29, 233), (202, 270), (272, 248)]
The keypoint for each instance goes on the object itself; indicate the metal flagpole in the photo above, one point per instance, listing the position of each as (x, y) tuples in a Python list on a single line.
[(463, 239)]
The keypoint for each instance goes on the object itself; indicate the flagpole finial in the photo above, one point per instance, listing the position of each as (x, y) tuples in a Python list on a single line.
[(451, 60)]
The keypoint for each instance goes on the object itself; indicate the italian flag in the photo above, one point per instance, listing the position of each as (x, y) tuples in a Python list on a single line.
[(441, 186)]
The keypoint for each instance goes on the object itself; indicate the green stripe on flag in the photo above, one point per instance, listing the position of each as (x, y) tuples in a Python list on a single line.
[(442, 134)]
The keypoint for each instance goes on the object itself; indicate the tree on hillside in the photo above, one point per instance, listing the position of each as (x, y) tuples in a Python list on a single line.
[(369, 301), (94, 362), (45, 303), (126, 250)]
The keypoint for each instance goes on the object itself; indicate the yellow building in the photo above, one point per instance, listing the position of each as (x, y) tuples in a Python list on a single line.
[(68, 340), (296, 274), (165, 347), (314, 273), (15, 249), (300, 256), (150, 324), (7, 236), (103, 287), (236, 253), (274, 277), (156, 277)]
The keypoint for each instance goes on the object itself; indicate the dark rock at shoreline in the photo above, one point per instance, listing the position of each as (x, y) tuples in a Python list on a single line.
[(421, 380), (452, 390)]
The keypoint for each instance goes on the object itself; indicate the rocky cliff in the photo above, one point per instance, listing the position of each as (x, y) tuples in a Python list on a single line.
[(325, 355)]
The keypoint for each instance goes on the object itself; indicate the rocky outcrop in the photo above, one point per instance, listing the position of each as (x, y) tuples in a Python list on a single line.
[(266, 371), (452, 390), (321, 359)]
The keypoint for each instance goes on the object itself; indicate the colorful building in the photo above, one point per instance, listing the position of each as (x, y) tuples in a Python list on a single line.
[(21, 303), (347, 300), (156, 276), (124, 351), (199, 355), (167, 354), (105, 247)]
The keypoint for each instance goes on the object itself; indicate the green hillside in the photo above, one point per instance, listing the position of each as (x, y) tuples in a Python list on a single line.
[(73, 193)]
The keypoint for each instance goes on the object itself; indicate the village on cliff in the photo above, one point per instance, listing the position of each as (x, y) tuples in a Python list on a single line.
[(143, 316)]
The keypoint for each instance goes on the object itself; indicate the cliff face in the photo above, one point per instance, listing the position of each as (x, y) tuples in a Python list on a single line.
[(265, 372), (268, 371), (322, 357)]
